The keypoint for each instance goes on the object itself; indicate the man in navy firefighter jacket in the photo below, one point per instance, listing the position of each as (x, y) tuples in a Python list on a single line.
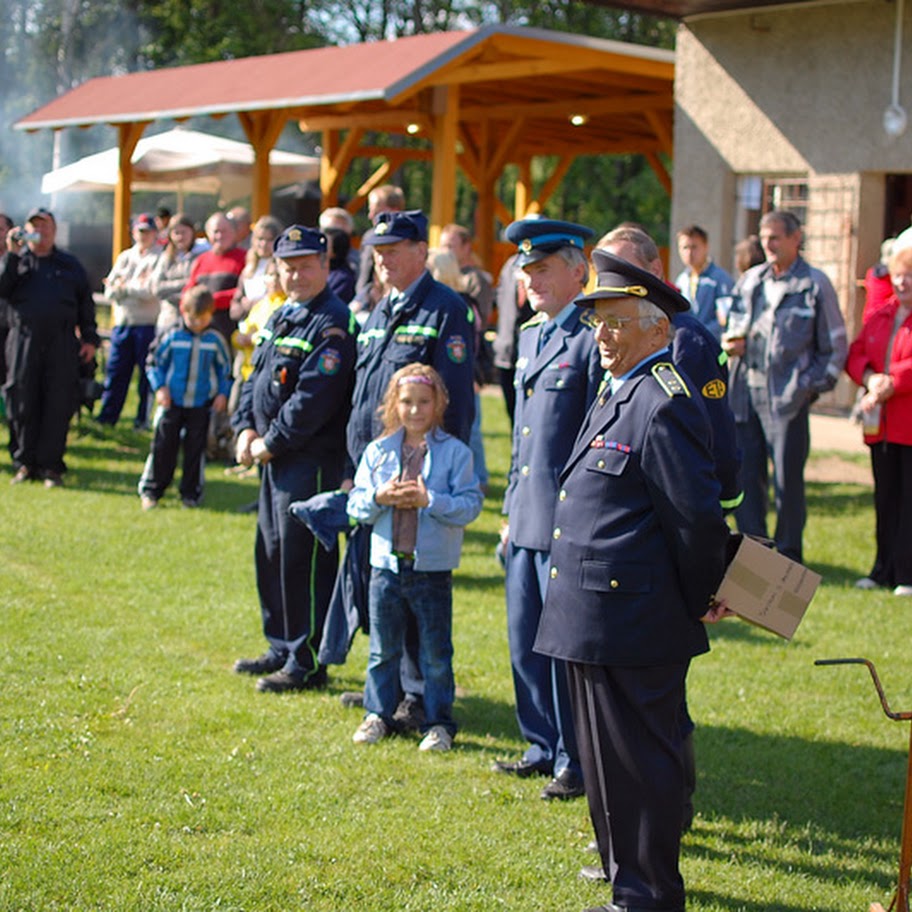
[(291, 421)]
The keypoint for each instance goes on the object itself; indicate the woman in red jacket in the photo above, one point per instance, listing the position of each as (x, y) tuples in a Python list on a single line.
[(880, 360)]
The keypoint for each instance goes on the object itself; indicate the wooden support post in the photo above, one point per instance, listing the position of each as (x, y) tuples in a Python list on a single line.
[(445, 116), (262, 130), (128, 136), (523, 198)]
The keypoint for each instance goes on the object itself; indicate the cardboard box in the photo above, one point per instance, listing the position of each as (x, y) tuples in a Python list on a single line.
[(766, 588)]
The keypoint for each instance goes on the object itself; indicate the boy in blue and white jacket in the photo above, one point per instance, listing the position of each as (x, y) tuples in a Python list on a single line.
[(417, 487), (190, 373)]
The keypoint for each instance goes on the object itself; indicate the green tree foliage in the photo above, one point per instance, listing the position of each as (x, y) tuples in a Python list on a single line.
[(199, 31), (50, 46)]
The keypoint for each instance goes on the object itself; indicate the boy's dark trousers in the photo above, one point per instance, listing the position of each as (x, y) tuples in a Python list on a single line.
[(159, 470)]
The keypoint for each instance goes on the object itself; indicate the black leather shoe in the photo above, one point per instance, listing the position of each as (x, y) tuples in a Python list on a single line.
[(261, 665), (564, 786), (614, 907), (282, 682), (522, 768), (592, 872)]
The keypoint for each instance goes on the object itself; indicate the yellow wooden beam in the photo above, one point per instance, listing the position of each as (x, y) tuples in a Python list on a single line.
[(513, 69), (394, 160), (128, 135), (553, 182), (661, 171), (335, 160), (390, 121), (646, 62), (262, 129), (628, 103), (506, 148), (523, 197), (445, 109), (475, 168), (469, 157), (329, 149), (663, 129), (501, 212)]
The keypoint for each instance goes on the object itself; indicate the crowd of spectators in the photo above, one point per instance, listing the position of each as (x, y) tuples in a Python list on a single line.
[(358, 368)]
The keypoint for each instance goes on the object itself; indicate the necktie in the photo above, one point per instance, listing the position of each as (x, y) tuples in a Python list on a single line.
[(547, 331)]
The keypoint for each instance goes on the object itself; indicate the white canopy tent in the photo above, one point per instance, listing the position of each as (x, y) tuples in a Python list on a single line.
[(182, 161)]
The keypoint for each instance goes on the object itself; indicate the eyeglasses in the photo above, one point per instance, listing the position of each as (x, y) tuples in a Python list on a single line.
[(612, 323)]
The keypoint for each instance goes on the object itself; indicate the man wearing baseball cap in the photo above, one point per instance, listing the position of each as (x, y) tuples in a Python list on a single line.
[(556, 379), (638, 551), (291, 421), (52, 317), (134, 311)]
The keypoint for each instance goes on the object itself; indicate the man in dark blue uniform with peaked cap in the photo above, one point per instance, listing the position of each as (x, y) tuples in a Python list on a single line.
[(638, 551), (696, 352), (291, 420), (556, 379)]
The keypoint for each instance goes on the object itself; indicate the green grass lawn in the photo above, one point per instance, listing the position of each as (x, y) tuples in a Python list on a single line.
[(138, 773)]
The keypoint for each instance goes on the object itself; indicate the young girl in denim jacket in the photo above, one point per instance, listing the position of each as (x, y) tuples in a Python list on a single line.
[(416, 486)]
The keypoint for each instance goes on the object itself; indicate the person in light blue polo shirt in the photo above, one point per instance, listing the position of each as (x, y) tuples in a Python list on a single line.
[(705, 285)]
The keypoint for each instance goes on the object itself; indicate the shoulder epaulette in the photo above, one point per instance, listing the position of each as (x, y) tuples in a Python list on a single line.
[(534, 321), (669, 379)]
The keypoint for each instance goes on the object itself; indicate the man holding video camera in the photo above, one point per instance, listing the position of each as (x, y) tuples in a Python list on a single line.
[(52, 330)]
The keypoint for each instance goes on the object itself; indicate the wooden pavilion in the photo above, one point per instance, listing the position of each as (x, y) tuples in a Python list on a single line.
[(483, 98)]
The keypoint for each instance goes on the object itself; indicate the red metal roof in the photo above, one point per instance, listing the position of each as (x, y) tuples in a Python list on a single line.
[(357, 72)]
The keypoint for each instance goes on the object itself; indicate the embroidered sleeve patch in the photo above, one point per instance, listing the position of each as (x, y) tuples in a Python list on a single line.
[(456, 349), (714, 389), (329, 362)]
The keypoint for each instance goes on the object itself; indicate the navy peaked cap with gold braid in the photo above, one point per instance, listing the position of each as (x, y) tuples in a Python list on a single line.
[(537, 238), (296, 240), (619, 278)]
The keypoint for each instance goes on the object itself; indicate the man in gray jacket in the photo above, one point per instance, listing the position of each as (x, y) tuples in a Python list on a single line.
[(787, 330)]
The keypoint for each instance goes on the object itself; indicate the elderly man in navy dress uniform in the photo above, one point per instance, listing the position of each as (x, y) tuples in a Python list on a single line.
[(638, 551), (557, 377)]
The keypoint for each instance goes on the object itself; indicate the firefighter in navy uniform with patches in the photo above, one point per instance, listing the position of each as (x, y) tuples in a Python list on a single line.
[(418, 319), (638, 551), (291, 420), (557, 377)]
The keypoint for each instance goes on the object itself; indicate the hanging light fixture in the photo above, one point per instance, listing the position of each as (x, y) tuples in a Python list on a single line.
[(895, 119)]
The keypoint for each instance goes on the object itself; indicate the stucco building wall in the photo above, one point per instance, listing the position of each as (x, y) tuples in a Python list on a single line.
[(792, 92)]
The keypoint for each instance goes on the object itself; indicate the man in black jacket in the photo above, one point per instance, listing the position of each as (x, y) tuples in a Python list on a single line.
[(52, 330)]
